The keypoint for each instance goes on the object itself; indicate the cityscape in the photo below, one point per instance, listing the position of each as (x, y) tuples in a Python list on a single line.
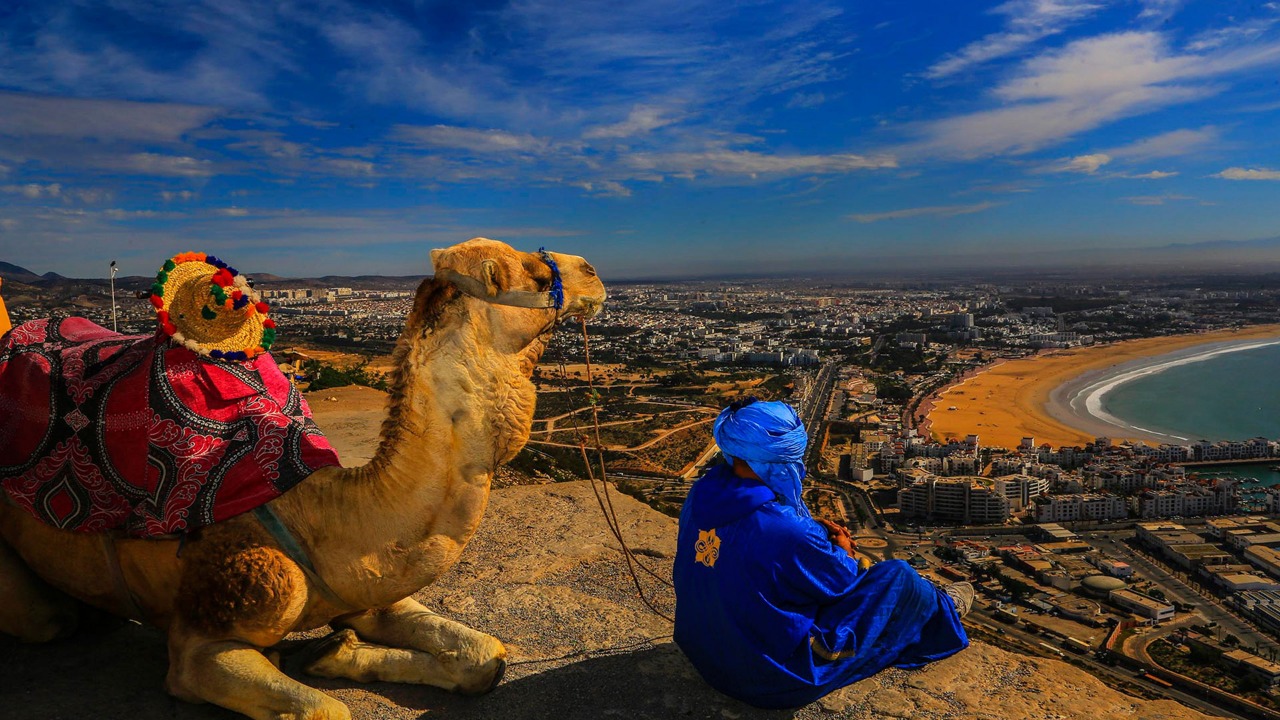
[(1152, 565)]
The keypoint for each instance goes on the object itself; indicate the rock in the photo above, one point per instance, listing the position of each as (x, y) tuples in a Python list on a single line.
[(545, 575)]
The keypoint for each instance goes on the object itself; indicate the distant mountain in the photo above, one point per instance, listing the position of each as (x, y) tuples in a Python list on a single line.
[(1256, 244), (266, 278), (53, 276), (9, 271), (368, 282)]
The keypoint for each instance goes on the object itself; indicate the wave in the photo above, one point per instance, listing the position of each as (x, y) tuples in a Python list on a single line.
[(1092, 396)]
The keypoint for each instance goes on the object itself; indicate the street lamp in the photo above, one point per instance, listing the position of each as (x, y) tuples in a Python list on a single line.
[(115, 326)]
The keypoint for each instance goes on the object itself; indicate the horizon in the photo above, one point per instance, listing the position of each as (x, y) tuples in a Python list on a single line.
[(663, 141)]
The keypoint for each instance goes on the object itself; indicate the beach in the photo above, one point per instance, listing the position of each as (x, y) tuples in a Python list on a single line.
[(1032, 396)]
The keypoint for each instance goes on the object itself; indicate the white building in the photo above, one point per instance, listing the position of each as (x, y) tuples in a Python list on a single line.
[(1020, 489), (1144, 605), (1061, 508)]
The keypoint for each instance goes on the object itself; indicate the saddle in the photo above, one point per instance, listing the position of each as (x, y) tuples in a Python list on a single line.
[(101, 431)]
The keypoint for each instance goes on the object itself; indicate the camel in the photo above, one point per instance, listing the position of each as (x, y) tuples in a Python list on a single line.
[(461, 404)]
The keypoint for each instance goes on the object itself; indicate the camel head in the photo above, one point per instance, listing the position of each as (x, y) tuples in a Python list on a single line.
[(495, 272)]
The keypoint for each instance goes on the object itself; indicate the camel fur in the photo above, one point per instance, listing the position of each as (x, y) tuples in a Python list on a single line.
[(461, 403)]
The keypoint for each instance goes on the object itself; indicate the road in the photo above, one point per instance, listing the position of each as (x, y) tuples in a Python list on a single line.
[(813, 408), (1023, 641), (1176, 588)]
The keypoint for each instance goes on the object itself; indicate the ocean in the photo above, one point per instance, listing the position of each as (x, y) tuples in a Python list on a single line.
[(1218, 392)]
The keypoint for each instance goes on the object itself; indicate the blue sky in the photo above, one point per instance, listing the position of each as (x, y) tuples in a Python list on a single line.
[(656, 138)]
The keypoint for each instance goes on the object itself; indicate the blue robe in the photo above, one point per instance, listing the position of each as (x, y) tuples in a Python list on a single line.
[(771, 613)]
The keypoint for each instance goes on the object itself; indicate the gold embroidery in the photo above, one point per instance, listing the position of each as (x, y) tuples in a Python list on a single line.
[(708, 548)]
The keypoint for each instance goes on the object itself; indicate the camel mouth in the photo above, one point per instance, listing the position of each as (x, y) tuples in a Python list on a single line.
[(587, 308)]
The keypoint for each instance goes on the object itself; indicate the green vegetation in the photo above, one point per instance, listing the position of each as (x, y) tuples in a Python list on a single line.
[(891, 389), (1206, 669), (324, 376)]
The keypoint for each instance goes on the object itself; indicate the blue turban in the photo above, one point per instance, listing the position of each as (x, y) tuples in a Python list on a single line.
[(770, 438)]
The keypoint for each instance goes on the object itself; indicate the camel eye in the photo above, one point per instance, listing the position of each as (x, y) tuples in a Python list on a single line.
[(590, 271)]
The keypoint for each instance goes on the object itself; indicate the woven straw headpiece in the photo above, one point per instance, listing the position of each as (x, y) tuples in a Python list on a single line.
[(207, 307)]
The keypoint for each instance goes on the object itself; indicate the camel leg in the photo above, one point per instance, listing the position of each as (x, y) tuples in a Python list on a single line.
[(239, 677), (30, 609), (414, 645)]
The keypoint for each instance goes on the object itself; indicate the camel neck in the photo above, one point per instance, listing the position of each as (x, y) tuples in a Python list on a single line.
[(464, 400), (460, 405)]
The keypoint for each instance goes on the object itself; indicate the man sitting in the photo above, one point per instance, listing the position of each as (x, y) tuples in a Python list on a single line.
[(771, 607)]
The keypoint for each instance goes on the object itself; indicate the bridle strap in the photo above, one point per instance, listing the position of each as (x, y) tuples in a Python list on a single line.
[(513, 298), (550, 300)]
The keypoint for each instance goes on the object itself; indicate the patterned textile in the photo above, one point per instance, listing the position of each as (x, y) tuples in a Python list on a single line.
[(100, 431)]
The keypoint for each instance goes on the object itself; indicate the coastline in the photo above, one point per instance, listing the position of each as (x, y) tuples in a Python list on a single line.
[(1033, 396)]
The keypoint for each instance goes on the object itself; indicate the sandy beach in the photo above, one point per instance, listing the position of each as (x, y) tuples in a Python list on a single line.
[(1032, 396)]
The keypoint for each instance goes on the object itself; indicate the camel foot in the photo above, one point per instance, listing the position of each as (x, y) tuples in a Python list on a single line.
[(472, 662), (240, 678), (319, 656), (497, 678), (344, 655)]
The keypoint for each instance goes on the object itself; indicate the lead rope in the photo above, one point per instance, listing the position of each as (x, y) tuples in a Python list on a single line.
[(604, 499)]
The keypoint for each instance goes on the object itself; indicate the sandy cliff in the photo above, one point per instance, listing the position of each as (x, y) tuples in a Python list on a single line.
[(544, 575)]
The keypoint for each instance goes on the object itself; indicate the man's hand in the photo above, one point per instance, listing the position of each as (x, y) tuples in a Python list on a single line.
[(839, 535)]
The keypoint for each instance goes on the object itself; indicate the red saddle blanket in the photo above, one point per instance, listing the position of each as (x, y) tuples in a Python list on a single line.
[(100, 431)]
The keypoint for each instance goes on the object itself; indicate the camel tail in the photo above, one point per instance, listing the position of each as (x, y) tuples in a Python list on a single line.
[(4, 315)]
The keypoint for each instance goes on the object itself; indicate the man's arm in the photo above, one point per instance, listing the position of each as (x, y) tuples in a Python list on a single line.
[(813, 570), (839, 535)]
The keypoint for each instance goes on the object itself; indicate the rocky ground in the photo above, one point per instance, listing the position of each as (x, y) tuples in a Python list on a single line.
[(545, 575)]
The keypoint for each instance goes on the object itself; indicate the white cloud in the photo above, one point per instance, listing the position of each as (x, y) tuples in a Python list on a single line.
[(1029, 21), (1159, 10), (641, 120), (1231, 34), (34, 191), (1153, 175), (27, 116), (1170, 144), (1156, 199), (1239, 173), (746, 162), (122, 214), (177, 195), (1087, 164), (934, 210), (606, 188), (470, 139), (229, 51), (1085, 85), (158, 164), (807, 100)]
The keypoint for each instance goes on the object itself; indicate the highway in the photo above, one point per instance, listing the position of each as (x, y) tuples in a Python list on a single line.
[(814, 408)]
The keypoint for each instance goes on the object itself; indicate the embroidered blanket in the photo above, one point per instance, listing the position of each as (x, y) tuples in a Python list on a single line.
[(100, 431)]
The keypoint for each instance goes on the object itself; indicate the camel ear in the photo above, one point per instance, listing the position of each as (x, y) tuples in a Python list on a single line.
[(437, 256), (494, 277)]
